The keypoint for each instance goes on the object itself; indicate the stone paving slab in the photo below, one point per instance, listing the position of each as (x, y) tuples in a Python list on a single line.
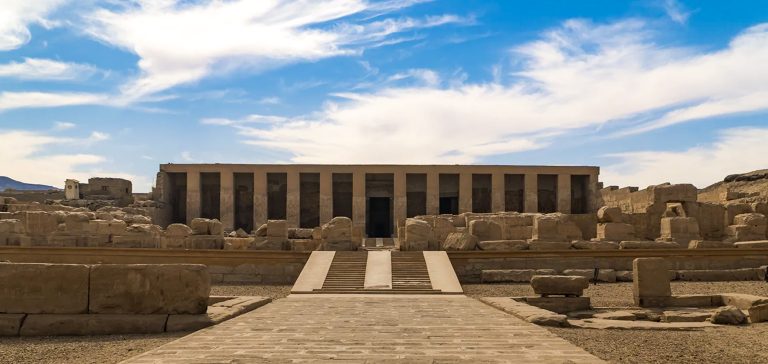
[(368, 329)]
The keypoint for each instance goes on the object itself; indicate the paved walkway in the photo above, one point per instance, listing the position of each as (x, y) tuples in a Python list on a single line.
[(371, 328)]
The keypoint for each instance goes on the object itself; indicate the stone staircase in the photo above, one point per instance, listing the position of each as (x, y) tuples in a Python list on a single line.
[(377, 272)]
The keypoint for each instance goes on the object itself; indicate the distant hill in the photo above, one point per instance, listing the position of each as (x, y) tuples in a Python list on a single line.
[(745, 188), (10, 183)]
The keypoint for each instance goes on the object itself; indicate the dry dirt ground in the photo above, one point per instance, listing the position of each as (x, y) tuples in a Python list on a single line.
[(732, 344), (722, 345)]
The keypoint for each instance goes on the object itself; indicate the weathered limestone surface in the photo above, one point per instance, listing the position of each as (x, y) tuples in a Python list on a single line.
[(503, 245), (460, 241), (603, 275), (608, 214), (651, 286), (43, 288), (418, 234), (92, 324), (728, 315), (595, 245), (10, 323), (549, 245), (680, 229), (560, 305), (149, 289), (559, 285), (615, 231), (649, 245), (513, 275), (485, 230)]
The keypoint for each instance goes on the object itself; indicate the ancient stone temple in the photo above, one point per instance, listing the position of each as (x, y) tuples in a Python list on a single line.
[(375, 197)]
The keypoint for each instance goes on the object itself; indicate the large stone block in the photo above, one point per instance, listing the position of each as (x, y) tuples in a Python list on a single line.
[(595, 245), (680, 229), (560, 304), (512, 275), (609, 214), (10, 323), (603, 275), (559, 285), (547, 228), (338, 229), (460, 241), (149, 288), (11, 226), (178, 231), (709, 244), (214, 242), (77, 222), (503, 245), (614, 231), (417, 230), (43, 288), (199, 226), (101, 324), (39, 222), (277, 229), (485, 230), (651, 286), (441, 227), (268, 243)]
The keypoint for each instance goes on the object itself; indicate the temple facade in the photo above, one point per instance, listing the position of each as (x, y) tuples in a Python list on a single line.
[(375, 197)]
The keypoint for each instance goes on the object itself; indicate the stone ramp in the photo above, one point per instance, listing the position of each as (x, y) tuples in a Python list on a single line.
[(371, 328), (382, 272)]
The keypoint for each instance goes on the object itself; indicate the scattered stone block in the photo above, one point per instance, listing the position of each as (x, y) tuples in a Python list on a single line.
[(743, 301), (338, 229), (178, 230), (512, 275), (615, 231), (485, 230), (238, 243), (199, 226), (460, 241), (609, 214), (758, 244), (680, 229), (277, 229), (527, 312), (88, 324), (603, 275), (624, 276), (743, 274), (685, 316), (709, 244), (649, 245), (728, 315), (547, 228), (149, 288), (595, 245), (758, 313), (559, 285), (651, 286), (503, 245), (559, 304), (549, 245), (43, 288)]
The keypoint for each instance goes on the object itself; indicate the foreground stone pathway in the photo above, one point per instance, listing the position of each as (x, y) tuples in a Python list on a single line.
[(371, 328)]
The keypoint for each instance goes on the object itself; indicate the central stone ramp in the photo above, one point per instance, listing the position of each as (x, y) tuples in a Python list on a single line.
[(378, 272), (371, 329)]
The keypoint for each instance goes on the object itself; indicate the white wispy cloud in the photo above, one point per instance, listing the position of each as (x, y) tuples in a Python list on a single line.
[(581, 76), (63, 125), (181, 42), (676, 11), (20, 100), (736, 150), (45, 69), (17, 15), (27, 157)]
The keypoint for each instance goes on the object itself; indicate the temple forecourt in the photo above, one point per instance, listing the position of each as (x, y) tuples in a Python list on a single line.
[(375, 197)]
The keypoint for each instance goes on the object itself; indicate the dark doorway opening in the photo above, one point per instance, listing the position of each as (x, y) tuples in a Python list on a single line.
[(379, 218), (579, 194), (449, 205), (210, 195), (244, 201), (449, 193), (178, 197), (547, 193), (514, 192)]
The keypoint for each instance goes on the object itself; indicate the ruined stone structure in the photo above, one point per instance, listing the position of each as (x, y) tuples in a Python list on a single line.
[(376, 197)]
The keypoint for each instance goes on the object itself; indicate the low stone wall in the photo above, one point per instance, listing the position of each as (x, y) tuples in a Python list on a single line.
[(469, 266), (224, 266), (61, 299)]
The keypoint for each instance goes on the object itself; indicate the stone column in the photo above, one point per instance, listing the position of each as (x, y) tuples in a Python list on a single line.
[(193, 196), (326, 197), (400, 203), (227, 200), (592, 193), (358, 200), (531, 192), (433, 193), (465, 192), (259, 198), (497, 193), (292, 199), (564, 193)]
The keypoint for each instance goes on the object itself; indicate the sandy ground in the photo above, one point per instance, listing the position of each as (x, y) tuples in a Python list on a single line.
[(732, 344), (744, 344)]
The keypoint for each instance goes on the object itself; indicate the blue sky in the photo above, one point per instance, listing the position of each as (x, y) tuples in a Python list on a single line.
[(651, 91)]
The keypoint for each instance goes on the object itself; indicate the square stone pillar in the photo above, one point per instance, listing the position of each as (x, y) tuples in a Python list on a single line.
[(465, 192), (193, 196), (433, 193), (292, 205), (564, 193), (531, 192), (592, 194), (227, 200), (326, 197), (259, 199), (497, 193), (358, 200), (400, 203)]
